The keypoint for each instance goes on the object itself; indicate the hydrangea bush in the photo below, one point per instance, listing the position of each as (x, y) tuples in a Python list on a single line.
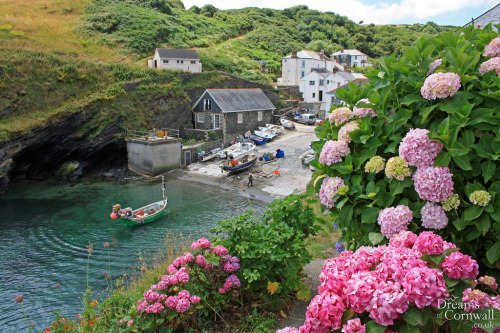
[(422, 148), (199, 284), (417, 283)]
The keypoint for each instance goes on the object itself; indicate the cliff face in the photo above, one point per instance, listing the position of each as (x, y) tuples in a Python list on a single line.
[(64, 149)]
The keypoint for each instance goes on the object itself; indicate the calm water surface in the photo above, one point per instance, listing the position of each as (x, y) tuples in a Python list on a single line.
[(45, 229)]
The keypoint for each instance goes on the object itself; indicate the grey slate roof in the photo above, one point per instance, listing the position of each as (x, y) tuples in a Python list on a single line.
[(347, 76), (237, 100), (177, 54), (321, 70)]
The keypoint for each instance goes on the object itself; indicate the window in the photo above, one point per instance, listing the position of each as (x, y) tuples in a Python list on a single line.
[(216, 121), (193, 61), (207, 104), (338, 84), (303, 63), (314, 95), (333, 99), (259, 116), (312, 83), (302, 74), (327, 81), (321, 82), (200, 117), (240, 118), (355, 57), (180, 61), (165, 61)]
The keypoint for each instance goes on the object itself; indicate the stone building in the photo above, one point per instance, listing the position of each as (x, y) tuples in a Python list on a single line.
[(234, 111), (491, 16)]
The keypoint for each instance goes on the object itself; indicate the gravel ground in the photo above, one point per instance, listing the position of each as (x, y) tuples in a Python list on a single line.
[(293, 176)]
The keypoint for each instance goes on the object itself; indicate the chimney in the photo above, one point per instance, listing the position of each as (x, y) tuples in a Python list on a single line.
[(342, 51), (294, 54), (334, 70), (322, 52)]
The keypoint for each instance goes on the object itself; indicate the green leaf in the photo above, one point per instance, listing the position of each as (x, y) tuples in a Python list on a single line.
[(411, 98), (488, 168), (493, 253), (369, 214), (484, 224), (373, 327), (462, 162), (442, 159), (472, 212), (413, 316), (458, 150), (375, 237), (408, 329)]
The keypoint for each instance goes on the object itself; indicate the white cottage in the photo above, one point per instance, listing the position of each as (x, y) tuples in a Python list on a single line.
[(331, 96), (299, 64), (316, 84), (351, 58), (176, 60)]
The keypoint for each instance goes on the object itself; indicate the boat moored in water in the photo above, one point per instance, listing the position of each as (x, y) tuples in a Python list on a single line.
[(146, 214)]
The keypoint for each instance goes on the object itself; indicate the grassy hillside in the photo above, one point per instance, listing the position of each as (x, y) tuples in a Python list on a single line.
[(37, 88)]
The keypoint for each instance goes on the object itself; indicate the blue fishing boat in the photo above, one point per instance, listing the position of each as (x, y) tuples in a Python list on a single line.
[(257, 139), (233, 166)]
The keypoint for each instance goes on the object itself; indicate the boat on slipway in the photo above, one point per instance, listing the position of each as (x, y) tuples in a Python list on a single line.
[(266, 135), (257, 139), (234, 166), (237, 151), (143, 215), (287, 123)]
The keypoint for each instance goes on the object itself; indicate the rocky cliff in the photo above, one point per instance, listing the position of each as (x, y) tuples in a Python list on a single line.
[(69, 148)]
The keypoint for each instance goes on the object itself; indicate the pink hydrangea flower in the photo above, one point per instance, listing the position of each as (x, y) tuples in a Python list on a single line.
[(200, 260), (130, 322), (340, 116), (388, 303), (489, 282), (460, 266), (433, 216), (346, 129), (434, 65), (288, 330), (324, 313), (183, 305), (430, 243), (433, 183), (201, 243), (418, 150), (195, 299), (184, 294), (171, 269), (171, 302), (182, 277), (403, 239), (222, 291), (141, 304), (360, 289), (493, 48), (440, 85), (155, 308), (219, 250), (475, 299), (492, 64), (394, 219), (333, 151), (329, 189), (151, 296), (425, 286), (353, 326), (448, 245), (363, 112)]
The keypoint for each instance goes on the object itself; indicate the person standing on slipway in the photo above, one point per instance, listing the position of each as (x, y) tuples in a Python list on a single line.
[(250, 179)]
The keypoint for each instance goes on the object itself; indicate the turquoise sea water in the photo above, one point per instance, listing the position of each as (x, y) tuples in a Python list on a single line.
[(45, 228)]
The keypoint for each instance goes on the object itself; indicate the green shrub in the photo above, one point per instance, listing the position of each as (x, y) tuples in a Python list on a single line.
[(466, 124), (271, 248)]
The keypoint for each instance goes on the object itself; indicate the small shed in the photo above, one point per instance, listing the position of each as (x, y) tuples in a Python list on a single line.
[(176, 59), (234, 111)]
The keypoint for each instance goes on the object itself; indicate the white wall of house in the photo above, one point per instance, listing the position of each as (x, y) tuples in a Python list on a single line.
[(293, 69), (314, 86), (186, 65), (354, 58)]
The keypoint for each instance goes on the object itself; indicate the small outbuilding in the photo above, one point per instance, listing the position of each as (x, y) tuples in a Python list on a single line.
[(234, 111), (176, 59)]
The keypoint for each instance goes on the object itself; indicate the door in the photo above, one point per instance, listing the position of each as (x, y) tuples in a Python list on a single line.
[(216, 121), (187, 157), (320, 96)]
